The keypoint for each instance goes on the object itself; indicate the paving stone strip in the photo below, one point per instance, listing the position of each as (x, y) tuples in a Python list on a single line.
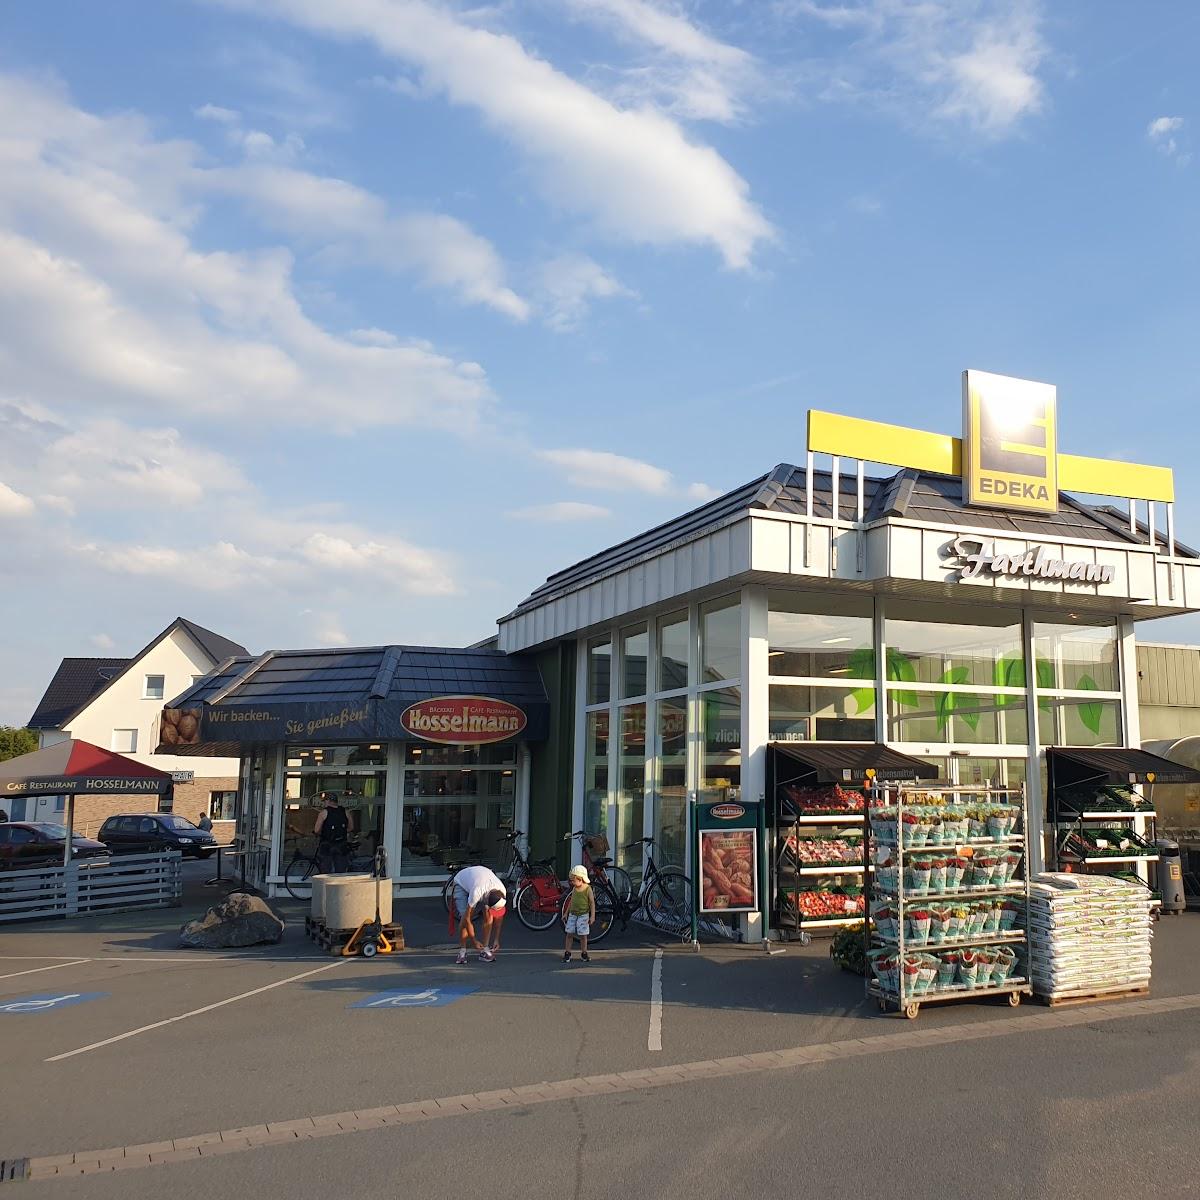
[(291, 1132)]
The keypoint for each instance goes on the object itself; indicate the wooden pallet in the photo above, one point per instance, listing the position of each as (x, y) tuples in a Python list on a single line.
[(1124, 993), (333, 940)]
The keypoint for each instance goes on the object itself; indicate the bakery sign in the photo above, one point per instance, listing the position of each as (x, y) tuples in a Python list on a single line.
[(463, 720), (977, 559)]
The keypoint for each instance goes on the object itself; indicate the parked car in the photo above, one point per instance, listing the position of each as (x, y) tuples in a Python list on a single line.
[(132, 833), (41, 843)]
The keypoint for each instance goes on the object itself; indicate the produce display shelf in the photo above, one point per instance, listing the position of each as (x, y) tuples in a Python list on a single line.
[(1104, 816), (830, 819), (832, 869), (982, 843), (984, 939), (924, 899)]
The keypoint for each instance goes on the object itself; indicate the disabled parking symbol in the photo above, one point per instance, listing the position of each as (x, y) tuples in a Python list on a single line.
[(432, 997), (28, 1005)]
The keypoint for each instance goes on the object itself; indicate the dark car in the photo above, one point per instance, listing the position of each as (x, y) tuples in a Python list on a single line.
[(131, 833), (41, 843)]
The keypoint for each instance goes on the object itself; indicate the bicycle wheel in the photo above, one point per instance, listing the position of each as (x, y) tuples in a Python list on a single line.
[(622, 885), (536, 909), (606, 913), (296, 877), (669, 901)]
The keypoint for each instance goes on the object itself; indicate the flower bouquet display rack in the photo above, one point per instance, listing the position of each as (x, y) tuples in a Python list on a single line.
[(949, 896), (818, 856)]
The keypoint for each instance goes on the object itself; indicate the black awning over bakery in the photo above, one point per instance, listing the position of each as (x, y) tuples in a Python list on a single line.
[(1112, 765), (816, 763), (374, 693)]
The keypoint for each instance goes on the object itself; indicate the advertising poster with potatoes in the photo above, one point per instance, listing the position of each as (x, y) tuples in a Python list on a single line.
[(728, 864)]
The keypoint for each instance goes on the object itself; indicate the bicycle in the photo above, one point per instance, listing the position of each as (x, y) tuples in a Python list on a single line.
[(665, 895), (520, 870), (600, 869), (297, 875)]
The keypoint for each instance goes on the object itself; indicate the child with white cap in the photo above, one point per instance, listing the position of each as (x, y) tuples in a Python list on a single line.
[(579, 911)]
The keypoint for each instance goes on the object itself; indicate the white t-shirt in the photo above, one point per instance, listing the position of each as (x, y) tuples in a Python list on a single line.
[(477, 882)]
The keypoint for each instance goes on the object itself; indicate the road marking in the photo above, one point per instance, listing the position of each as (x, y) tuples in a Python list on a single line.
[(52, 1000), (434, 997), (196, 1012), (654, 1041), (52, 967), (294, 1132)]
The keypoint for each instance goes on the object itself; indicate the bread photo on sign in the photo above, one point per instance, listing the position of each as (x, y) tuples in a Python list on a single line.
[(180, 727)]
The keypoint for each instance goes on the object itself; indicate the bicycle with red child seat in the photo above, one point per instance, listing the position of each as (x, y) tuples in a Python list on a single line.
[(520, 870), (540, 898)]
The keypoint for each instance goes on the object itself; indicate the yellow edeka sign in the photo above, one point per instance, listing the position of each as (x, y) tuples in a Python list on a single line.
[(1010, 457)]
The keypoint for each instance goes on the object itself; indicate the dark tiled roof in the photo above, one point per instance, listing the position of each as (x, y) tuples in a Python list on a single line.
[(75, 682), (82, 679), (911, 495), (217, 648), (395, 673)]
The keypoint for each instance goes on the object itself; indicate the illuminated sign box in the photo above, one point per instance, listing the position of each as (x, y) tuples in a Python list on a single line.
[(1010, 457)]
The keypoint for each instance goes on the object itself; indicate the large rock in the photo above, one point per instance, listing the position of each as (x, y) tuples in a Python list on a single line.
[(239, 920)]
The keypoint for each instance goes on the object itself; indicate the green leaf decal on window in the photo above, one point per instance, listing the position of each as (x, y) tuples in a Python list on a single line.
[(1009, 672), (951, 704), (1090, 715)]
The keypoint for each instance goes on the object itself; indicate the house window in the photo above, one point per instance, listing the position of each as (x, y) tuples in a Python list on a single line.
[(154, 687), (222, 806), (124, 741)]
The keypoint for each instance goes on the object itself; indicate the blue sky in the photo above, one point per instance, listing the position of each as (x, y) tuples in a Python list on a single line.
[(349, 323)]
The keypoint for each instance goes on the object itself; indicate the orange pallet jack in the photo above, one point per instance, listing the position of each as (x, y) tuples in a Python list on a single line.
[(369, 939)]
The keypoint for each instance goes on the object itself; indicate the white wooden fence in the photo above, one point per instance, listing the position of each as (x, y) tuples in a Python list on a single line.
[(115, 884)]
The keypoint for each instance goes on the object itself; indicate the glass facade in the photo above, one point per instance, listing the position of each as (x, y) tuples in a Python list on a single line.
[(358, 774), (459, 802), (958, 691)]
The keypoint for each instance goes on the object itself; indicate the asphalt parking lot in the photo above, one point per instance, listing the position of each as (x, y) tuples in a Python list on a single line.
[(147, 1045)]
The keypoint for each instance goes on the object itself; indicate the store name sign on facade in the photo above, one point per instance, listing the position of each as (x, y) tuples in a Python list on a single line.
[(978, 557), (463, 720)]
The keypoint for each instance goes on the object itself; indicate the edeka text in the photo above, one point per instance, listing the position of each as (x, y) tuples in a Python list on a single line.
[(1013, 489)]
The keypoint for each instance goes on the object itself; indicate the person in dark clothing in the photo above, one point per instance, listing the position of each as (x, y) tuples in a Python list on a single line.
[(332, 829)]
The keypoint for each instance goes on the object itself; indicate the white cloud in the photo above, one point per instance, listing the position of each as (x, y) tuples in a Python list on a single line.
[(611, 472), (14, 503), (694, 75), (702, 491), (633, 172), (101, 641), (569, 283), (1165, 133), (106, 300), (973, 63), (105, 464), (335, 213), (411, 568), (214, 112), (561, 510)]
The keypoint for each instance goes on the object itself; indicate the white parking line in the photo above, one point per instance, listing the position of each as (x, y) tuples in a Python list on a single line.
[(53, 967), (654, 1041), (120, 1037)]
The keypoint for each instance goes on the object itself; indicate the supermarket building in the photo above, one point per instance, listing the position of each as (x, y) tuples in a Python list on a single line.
[(963, 607)]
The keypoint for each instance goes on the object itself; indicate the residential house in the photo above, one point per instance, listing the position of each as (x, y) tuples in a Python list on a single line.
[(116, 703)]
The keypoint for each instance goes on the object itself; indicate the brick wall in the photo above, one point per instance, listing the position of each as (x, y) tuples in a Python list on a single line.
[(191, 799)]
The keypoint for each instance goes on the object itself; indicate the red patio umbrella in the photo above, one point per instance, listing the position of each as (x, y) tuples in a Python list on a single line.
[(73, 767)]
